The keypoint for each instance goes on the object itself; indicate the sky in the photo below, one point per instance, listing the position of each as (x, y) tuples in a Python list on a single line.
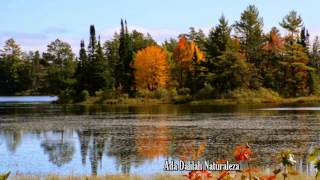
[(35, 23)]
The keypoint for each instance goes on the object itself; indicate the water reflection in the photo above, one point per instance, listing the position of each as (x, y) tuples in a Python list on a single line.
[(92, 140), (59, 151)]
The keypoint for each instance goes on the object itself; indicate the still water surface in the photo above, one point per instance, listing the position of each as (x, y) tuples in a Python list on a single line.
[(51, 139)]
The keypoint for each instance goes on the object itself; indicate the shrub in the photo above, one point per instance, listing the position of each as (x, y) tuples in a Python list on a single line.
[(184, 91), (83, 96), (206, 92), (249, 95), (144, 93), (181, 99), (172, 93), (160, 93), (108, 94), (66, 96)]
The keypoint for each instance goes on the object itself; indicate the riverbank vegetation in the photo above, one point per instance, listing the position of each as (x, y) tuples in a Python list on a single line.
[(236, 62)]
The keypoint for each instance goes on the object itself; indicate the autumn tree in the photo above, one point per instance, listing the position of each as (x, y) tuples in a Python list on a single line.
[(151, 68), (198, 37), (184, 56), (272, 55), (296, 75)]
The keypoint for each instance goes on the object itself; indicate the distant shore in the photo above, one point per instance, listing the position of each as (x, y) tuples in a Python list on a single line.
[(229, 101)]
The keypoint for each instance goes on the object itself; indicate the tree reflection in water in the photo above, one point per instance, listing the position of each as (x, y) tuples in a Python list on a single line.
[(138, 138), (13, 139), (59, 151)]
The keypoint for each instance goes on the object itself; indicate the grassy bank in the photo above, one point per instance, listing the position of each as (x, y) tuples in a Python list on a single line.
[(309, 99), (239, 96)]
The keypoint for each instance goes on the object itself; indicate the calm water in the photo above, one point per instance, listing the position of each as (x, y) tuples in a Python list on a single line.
[(43, 138)]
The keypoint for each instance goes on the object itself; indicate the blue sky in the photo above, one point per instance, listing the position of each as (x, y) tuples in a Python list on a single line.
[(34, 23)]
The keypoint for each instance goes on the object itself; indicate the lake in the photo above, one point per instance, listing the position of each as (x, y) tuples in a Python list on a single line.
[(84, 140)]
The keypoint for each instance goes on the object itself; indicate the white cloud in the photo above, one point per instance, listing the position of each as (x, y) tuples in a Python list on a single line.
[(39, 41), (158, 34)]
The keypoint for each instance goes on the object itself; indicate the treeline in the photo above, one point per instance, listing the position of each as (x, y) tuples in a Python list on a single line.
[(194, 66)]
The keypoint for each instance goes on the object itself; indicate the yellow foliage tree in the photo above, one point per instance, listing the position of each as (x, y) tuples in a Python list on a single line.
[(151, 68), (186, 54)]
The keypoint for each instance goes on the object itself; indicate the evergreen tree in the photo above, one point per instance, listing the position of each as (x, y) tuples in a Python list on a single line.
[(12, 49), (15, 74), (315, 55), (304, 38), (124, 70), (92, 43), (198, 37), (170, 44), (61, 69), (218, 39), (101, 78), (36, 70), (250, 31), (111, 48), (82, 69), (140, 41), (93, 73), (292, 22)]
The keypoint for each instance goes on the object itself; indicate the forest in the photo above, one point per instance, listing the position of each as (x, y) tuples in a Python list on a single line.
[(231, 60)]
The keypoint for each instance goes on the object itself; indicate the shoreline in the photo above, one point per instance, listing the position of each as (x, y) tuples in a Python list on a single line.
[(252, 101)]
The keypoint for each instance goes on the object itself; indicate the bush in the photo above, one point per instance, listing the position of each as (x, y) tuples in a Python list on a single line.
[(206, 92), (108, 94), (249, 95), (83, 96), (172, 93), (181, 99), (160, 93), (144, 93), (184, 91), (66, 96)]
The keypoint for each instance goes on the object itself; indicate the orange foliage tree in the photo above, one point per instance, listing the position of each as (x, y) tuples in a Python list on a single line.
[(151, 68), (185, 55), (275, 42)]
